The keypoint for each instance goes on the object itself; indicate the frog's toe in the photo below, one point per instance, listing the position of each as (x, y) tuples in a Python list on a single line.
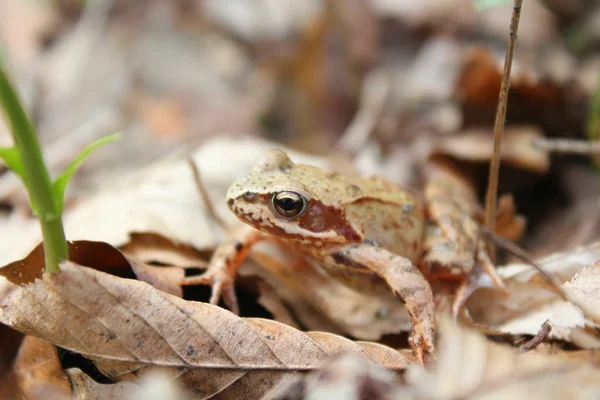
[(422, 342), (222, 286)]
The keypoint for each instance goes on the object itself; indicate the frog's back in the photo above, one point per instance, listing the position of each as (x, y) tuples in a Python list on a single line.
[(389, 216)]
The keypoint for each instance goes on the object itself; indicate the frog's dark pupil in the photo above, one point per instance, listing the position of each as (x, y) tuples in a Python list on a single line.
[(289, 204)]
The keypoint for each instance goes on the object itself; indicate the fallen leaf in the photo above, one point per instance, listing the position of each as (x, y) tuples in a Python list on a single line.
[(101, 256), (269, 300), (477, 145), (584, 290), (10, 342), (119, 321), (471, 366), (533, 99), (532, 300), (166, 279), (36, 373), (155, 248)]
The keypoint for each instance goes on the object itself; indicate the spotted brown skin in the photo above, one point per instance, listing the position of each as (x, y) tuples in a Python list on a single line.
[(366, 232)]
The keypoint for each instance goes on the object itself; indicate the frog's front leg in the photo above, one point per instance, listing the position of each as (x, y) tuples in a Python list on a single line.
[(408, 284), (224, 264)]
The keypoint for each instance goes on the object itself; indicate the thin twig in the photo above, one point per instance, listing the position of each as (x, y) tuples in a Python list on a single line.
[(490, 204), (204, 195), (522, 254), (568, 145), (539, 338)]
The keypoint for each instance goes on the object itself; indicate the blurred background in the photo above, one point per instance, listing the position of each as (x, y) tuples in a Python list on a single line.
[(387, 83)]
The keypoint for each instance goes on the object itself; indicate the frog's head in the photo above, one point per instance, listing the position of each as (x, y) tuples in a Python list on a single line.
[(292, 201)]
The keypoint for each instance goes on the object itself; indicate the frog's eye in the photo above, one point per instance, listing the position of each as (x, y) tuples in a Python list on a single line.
[(289, 204)]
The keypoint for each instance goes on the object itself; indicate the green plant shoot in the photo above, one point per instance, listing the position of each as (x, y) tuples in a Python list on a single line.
[(26, 160)]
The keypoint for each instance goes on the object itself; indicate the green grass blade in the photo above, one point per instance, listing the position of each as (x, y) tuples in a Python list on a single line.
[(12, 159), (60, 183)]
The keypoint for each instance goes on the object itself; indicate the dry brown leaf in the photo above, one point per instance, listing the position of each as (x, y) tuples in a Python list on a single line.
[(166, 279), (10, 342), (509, 225), (101, 256), (155, 248), (472, 367), (584, 291), (85, 388), (126, 325), (533, 99), (477, 145), (36, 373), (532, 300), (269, 300)]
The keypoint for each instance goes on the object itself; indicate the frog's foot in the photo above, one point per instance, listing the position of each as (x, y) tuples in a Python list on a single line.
[(487, 267), (422, 340), (222, 284), (483, 275), (223, 267)]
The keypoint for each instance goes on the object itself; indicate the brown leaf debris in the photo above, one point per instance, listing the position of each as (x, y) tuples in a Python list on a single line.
[(126, 325)]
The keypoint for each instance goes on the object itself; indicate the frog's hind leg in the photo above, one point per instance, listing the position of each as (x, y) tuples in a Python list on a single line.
[(483, 275), (407, 283), (453, 249)]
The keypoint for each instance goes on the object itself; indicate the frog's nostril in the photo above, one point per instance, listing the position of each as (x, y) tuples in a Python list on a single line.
[(249, 196)]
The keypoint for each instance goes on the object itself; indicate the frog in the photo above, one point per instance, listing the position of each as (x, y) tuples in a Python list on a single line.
[(367, 232)]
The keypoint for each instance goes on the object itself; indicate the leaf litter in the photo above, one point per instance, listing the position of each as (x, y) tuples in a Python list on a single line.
[(110, 319), (273, 69)]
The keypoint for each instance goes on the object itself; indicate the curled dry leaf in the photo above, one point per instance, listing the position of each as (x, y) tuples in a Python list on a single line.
[(119, 321), (166, 279), (36, 373), (470, 366), (268, 299), (533, 99), (477, 145), (532, 300), (584, 291), (100, 255), (153, 247)]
